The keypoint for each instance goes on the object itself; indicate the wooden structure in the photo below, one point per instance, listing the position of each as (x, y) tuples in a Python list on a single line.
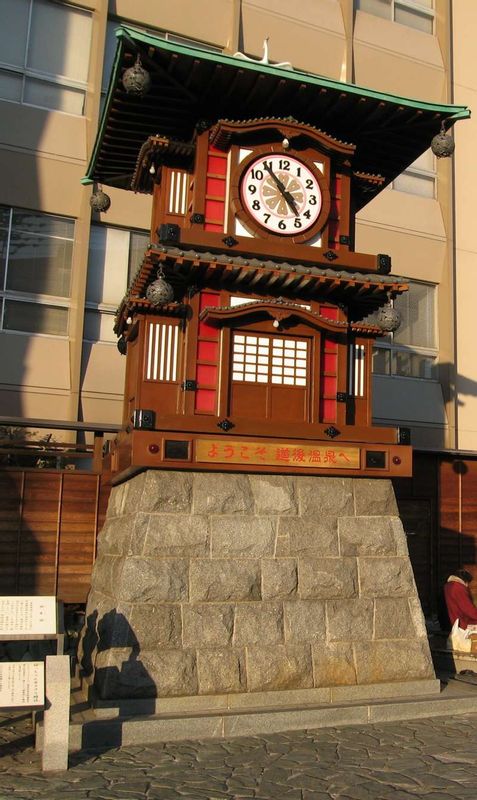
[(50, 516), (249, 327)]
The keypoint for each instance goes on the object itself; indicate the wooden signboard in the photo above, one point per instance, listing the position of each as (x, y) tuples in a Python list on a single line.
[(276, 454)]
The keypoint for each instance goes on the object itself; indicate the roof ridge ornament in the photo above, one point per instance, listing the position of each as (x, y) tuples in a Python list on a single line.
[(264, 59)]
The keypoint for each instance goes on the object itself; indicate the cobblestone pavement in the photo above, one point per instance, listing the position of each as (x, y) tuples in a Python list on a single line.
[(433, 759)]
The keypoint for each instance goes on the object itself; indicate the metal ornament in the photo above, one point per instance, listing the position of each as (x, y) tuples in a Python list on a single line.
[(388, 318), (159, 292), (100, 201), (443, 144), (136, 79)]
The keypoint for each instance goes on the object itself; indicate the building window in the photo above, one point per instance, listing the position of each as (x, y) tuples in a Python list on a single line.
[(417, 14), (115, 254), (411, 351), (419, 178), (44, 54), (35, 271)]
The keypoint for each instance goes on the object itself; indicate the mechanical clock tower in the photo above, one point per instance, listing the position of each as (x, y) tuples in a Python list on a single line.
[(253, 553), (253, 347)]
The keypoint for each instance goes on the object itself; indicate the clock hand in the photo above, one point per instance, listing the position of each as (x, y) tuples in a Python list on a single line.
[(287, 196)]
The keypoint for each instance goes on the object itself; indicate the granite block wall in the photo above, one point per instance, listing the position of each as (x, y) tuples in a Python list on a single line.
[(222, 583)]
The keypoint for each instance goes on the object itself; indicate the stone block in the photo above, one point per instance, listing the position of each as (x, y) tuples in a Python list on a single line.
[(221, 671), (224, 579), (377, 662), (333, 664), (282, 547), (242, 537), (220, 493), (325, 496), (156, 625), (207, 624), (162, 673), (311, 537), (112, 626), (349, 620), (115, 536), (138, 534), (116, 499), (304, 621), (419, 624), (279, 578), (323, 578), (279, 667), (273, 494), (393, 619), (174, 672), (177, 535), (371, 536), (386, 577), (258, 623), (167, 491), (149, 580), (374, 497), (106, 574), (57, 714), (133, 494)]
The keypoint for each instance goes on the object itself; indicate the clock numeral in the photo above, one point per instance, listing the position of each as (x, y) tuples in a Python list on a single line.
[(282, 225), (312, 199), (309, 183), (256, 205), (307, 214), (284, 164), (267, 165), (298, 172), (297, 222), (252, 188), (257, 174), (266, 218)]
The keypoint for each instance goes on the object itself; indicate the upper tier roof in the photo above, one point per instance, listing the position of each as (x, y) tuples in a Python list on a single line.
[(190, 85)]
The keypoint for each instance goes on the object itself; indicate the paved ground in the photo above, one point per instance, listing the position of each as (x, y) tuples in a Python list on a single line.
[(433, 759)]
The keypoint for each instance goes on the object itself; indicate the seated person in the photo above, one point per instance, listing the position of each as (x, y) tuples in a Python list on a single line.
[(460, 606)]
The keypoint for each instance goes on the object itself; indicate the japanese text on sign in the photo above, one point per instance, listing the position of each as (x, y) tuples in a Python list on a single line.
[(24, 615), (277, 454), (22, 683)]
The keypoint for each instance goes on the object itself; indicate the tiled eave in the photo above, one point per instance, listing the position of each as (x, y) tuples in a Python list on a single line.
[(188, 270)]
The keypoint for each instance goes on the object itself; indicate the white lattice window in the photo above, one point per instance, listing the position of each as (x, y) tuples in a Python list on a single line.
[(357, 370), (162, 352), (260, 359), (289, 362)]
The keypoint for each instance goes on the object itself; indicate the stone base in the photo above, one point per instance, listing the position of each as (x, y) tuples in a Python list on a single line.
[(213, 584)]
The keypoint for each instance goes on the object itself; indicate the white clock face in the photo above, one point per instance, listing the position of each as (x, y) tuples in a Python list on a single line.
[(281, 194)]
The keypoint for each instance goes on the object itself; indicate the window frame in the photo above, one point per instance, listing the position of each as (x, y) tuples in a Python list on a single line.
[(37, 298), (410, 5), (389, 345), (25, 72), (110, 309)]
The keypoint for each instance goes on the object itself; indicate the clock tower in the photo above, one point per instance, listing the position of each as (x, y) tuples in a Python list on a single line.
[(253, 554)]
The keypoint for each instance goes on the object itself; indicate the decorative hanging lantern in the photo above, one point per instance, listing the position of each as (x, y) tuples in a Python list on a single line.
[(136, 79), (443, 144), (388, 318), (159, 292), (99, 200)]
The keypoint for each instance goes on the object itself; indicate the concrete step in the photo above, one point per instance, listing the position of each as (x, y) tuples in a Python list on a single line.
[(91, 729)]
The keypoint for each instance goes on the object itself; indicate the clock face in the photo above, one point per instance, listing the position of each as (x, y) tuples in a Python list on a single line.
[(281, 194)]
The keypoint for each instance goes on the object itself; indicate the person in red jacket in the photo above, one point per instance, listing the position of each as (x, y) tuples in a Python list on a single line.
[(459, 599)]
